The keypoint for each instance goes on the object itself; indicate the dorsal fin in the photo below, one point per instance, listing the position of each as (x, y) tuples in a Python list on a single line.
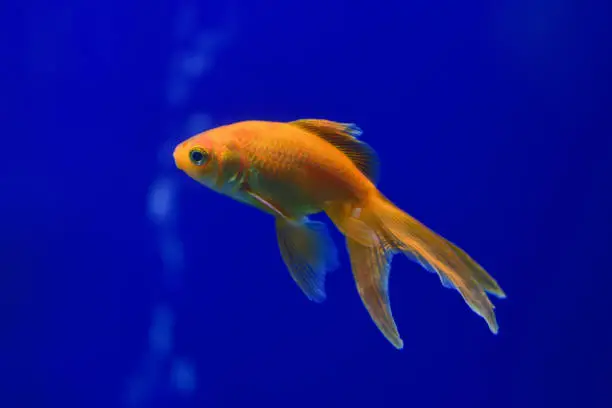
[(344, 136)]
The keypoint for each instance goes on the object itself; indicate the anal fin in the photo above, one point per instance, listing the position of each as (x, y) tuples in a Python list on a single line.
[(343, 215)]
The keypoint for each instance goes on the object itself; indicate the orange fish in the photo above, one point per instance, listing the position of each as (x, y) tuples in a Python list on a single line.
[(296, 169)]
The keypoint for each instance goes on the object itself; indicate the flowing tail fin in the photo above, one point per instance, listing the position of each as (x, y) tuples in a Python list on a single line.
[(371, 266), (379, 229)]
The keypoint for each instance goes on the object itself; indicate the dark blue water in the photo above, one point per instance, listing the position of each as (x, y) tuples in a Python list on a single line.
[(126, 284)]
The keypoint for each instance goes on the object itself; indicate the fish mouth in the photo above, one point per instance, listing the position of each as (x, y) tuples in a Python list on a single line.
[(177, 161)]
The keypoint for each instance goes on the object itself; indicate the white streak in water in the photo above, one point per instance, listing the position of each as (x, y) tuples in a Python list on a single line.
[(161, 371)]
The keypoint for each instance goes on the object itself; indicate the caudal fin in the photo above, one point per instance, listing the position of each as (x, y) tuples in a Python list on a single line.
[(436, 254), (377, 230), (371, 266)]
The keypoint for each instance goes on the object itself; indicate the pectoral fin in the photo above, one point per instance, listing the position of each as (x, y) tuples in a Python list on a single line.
[(266, 204)]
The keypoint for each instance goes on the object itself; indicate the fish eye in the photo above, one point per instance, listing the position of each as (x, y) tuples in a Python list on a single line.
[(198, 156)]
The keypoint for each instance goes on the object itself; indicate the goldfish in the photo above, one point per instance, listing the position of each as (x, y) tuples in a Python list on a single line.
[(293, 170)]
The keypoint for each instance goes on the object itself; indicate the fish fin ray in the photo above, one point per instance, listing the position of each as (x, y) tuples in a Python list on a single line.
[(309, 253), (344, 136)]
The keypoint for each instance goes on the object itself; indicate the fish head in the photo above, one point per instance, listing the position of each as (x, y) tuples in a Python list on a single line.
[(196, 157)]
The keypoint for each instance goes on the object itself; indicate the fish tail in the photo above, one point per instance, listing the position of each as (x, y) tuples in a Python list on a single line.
[(308, 252), (371, 265), (377, 229)]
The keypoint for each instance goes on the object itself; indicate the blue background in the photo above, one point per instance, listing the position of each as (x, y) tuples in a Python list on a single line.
[(492, 127)]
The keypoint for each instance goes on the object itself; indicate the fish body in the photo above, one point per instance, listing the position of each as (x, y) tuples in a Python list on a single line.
[(300, 170), (296, 169)]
